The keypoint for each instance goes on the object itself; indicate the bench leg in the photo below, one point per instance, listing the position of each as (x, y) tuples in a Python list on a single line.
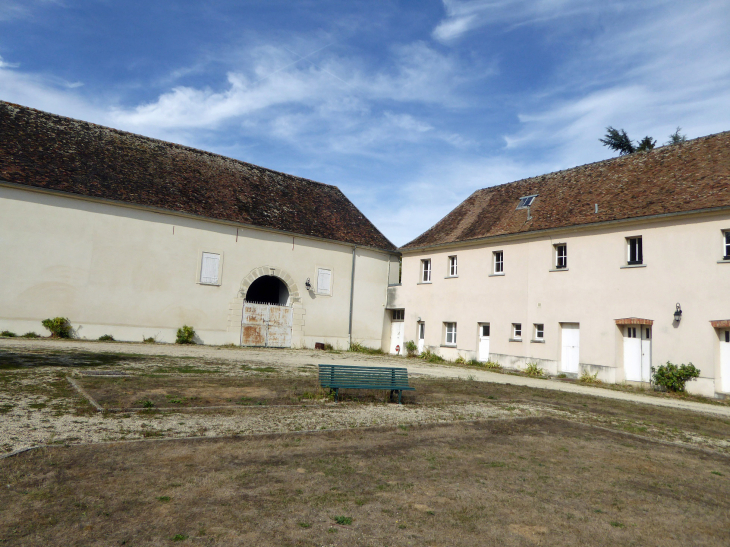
[(400, 392), (337, 394)]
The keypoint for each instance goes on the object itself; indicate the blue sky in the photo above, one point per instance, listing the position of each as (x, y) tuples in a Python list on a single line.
[(408, 107)]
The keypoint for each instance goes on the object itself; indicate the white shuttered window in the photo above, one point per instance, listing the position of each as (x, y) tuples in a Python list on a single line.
[(324, 281), (209, 268)]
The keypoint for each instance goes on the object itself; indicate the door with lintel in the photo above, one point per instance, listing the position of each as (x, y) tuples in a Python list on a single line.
[(725, 360), (421, 337), (484, 342), (637, 353)]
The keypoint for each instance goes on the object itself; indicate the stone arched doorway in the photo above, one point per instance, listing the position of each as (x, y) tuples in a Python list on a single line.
[(268, 297)]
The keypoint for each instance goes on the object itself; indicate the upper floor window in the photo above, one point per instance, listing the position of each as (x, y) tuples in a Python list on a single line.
[(726, 245), (561, 256), (324, 281), (635, 250), (209, 269), (526, 201), (426, 271), (450, 331), (398, 315), (498, 262), (452, 266)]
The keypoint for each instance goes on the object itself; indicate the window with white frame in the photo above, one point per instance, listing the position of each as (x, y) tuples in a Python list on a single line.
[(210, 269), (498, 262), (398, 315), (726, 244), (452, 266), (426, 270), (517, 331), (324, 281), (539, 331), (450, 330), (635, 250), (561, 256)]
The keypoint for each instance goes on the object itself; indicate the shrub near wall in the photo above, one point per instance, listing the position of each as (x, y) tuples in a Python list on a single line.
[(185, 335), (673, 377), (60, 327)]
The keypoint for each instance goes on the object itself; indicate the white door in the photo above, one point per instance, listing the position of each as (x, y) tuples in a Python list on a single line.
[(484, 342), (725, 360), (571, 347), (632, 353), (396, 337), (421, 337), (645, 354)]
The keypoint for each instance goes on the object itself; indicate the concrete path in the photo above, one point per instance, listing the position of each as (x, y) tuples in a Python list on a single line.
[(304, 357)]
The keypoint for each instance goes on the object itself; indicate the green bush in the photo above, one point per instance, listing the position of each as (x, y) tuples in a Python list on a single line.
[(411, 348), (586, 378), (432, 357), (491, 365), (674, 377), (8, 334), (534, 370), (60, 327), (31, 335), (149, 340), (360, 348), (185, 335), (106, 338), (460, 360)]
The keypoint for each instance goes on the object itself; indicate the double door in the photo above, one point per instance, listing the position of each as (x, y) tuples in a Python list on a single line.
[(637, 353)]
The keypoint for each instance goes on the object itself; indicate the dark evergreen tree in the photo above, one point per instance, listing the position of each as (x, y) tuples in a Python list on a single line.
[(677, 137), (618, 140), (646, 144)]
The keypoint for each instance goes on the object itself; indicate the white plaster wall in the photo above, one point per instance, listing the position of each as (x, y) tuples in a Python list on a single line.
[(132, 272), (681, 255)]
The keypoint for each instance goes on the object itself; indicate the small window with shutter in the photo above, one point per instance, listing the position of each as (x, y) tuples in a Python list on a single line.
[(324, 281), (209, 269)]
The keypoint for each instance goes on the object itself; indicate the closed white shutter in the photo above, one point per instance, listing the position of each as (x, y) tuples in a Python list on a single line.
[(324, 279), (209, 268)]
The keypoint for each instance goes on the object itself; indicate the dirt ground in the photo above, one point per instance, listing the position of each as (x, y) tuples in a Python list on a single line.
[(533, 481)]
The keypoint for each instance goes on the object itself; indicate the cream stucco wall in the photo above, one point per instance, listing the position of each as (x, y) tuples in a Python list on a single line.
[(681, 255), (133, 272)]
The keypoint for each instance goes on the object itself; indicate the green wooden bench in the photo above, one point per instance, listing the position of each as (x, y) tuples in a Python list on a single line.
[(336, 377)]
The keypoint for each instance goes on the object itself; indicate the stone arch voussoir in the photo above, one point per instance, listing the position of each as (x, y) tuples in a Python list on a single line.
[(286, 278)]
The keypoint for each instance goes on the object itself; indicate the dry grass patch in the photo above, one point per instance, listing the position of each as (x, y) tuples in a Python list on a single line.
[(524, 482)]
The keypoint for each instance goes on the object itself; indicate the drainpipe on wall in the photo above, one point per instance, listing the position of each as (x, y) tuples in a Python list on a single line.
[(352, 293)]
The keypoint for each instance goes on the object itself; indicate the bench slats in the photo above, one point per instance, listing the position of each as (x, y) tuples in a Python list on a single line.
[(358, 377)]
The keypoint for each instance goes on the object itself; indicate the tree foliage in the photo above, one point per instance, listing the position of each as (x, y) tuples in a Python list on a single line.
[(646, 144), (674, 377), (618, 140), (677, 137)]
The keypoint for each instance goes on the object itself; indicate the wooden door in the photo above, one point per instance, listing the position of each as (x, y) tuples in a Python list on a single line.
[(725, 360), (484, 342), (632, 353), (645, 354), (266, 325), (396, 337), (421, 337)]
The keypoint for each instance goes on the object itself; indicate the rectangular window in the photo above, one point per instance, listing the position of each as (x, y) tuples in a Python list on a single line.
[(324, 281), (726, 245), (635, 250), (631, 332), (450, 334), (398, 315), (421, 331), (727, 336), (426, 271), (498, 257), (209, 267), (452, 266), (539, 331), (517, 331), (561, 256), (485, 331)]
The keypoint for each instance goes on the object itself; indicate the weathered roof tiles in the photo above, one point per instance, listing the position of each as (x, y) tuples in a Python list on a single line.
[(53, 152), (680, 178)]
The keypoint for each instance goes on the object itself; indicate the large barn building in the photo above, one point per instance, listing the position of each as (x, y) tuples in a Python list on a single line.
[(135, 237)]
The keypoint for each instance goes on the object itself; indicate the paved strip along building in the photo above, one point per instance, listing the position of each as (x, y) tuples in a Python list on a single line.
[(135, 237), (583, 270)]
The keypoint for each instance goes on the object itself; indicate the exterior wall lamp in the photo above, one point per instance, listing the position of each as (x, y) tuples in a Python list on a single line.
[(308, 285), (678, 313)]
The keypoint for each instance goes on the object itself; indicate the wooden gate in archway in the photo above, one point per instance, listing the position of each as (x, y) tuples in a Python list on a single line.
[(266, 325)]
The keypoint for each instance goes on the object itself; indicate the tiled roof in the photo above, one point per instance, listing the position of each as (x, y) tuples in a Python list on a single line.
[(685, 177), (48, 151)]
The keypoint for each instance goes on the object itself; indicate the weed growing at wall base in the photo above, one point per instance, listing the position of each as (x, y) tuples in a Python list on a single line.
[(185, 335), (533, 369), (360, 348), (8, 334), (60, 327)]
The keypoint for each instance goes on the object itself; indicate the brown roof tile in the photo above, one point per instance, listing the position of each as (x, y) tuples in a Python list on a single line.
[(57, 153), (671, 179)]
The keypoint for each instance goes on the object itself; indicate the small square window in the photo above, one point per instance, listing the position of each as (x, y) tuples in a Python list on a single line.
[(635, 250), (561, 256), (426, 271), (324, 281), (209, 269), (539, 331), (498, 262), (450, 339), (485, 331), (398, 315), (526, 201), (726, 245), (453, 272), (517, 331)]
